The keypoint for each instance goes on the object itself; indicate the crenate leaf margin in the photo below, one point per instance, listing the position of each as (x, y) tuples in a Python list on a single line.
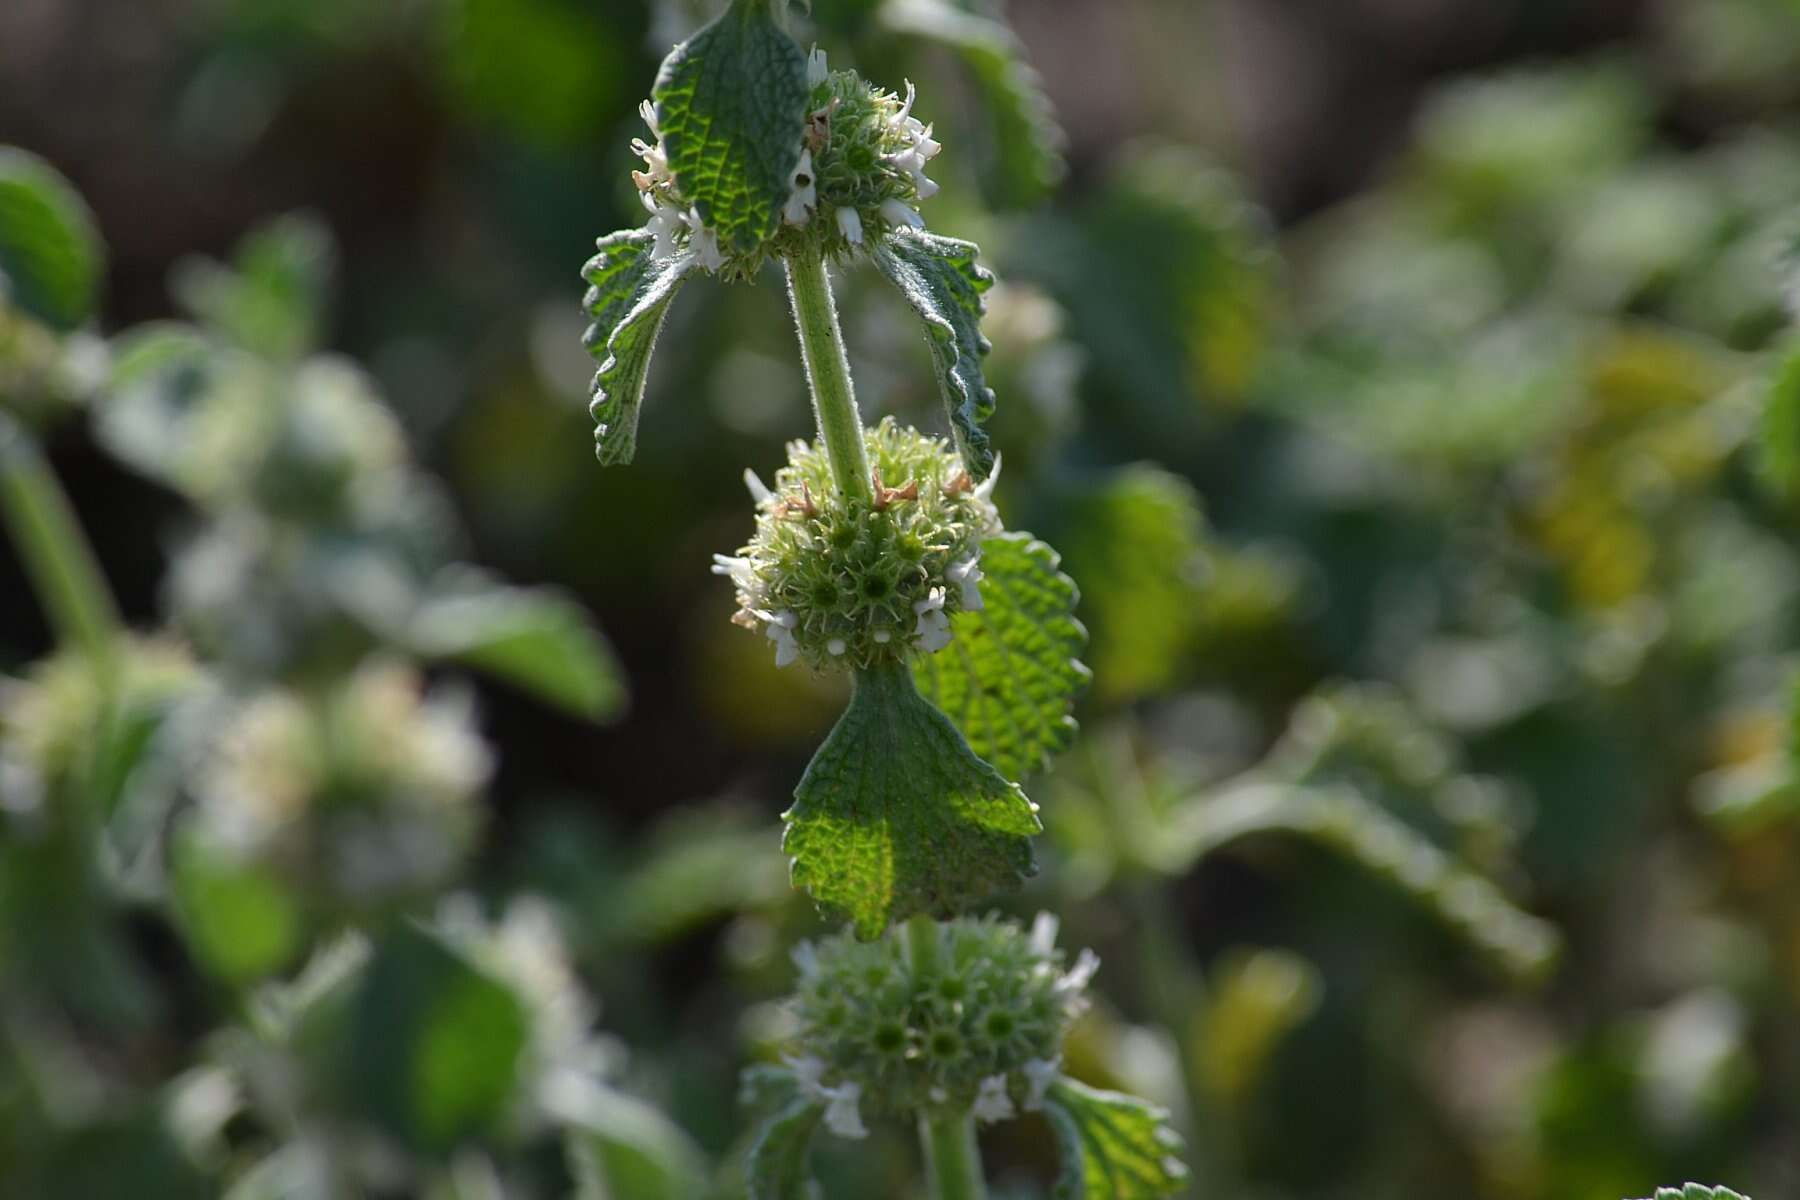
[(628, 298), (777, 1168), (1111, 1146), (945, 285)]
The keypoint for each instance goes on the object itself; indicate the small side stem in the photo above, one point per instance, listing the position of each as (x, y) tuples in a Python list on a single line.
[(55, 552), (952, 1159), (828, 371)]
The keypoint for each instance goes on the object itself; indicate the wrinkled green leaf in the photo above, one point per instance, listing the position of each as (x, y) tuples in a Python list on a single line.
[(944, 284), (1697, 1191), (777, 1167), (50, 249), (621, 1148), (897, 816), (1010, 678), (628, 296), (435, 1041), (537, 638), (731, 104), (1112, 1146), (1023, 149)]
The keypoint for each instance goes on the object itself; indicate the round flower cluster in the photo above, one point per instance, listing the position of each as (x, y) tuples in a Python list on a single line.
[(846, 582), (861, 173), (979, 1030)]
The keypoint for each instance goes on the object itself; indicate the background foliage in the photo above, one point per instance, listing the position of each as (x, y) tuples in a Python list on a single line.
[(1408, 388)]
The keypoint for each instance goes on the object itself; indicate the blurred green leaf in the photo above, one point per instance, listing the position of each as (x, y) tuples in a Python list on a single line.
[(1779, 457), (621, 1148), (628, 296), (435, 1041), (896, 815), (1112, 1146), (535, 638), (731, 106), (270, 299), (1009, 677), (242, 923), (944, 284), (777, 1169), (1024, 144), (51, 254)]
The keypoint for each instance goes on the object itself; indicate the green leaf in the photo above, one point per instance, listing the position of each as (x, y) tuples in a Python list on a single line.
[(777, 1167), (1009, 678), (621, 1148), (270, 299), (731, 104), (1697, 1191), (944, 284), (436, 1041), (537, 638), (1023, 157), (1779, 458), (50, 248), (241, 922), (628, 297), (897, 816), (1112, 1146)]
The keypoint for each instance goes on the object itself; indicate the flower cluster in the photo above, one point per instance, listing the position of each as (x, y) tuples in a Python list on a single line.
[(844, 582), (978, 1030), (861, 172)]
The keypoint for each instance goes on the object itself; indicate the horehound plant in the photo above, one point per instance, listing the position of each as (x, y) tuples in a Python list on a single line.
[(879, 552)]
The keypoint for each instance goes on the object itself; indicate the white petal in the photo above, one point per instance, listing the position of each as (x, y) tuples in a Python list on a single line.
[(759, 491), (816, 70), (805, 957), (967, 574), (933, 631), (1039, 1075), (883, 636), (843, 1116), (1043, 932), (927, 188), (647, 110), (906, 109), (849, 223), (933, 602), (1079, 975), (985, 489), (992, 1101), (836, 647), (896, 213)]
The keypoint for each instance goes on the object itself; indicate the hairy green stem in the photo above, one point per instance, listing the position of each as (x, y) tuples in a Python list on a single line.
[(828, 371), (53, 549), (952, 1159)]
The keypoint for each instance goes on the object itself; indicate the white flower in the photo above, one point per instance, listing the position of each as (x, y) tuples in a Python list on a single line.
[(738, 570), (805, 957), (920, 149), (968, 574), (992, 1101), (1039, 1075), (808, 1072), (849, 223), (703, 242), (984, 491), (647, 110), (665, 222), (836, 647), (759, 491), (656, 165), (1043, 932), (805, 194), (843, 1116), (883, 636), (1076, 979), (816, 70), (895, 212), (933, 629), (781, 632)]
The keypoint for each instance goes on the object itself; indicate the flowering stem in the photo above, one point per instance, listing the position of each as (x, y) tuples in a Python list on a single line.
[(952, 1159), (55, 552), (828, 371)]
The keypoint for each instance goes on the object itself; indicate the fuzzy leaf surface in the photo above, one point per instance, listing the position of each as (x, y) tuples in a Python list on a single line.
[(1697, 1191), (896, 815), (777, 1168), (1112, 1146), (50, 248), (945, 285), (1010, 677), (731, 104), (628, 297)]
